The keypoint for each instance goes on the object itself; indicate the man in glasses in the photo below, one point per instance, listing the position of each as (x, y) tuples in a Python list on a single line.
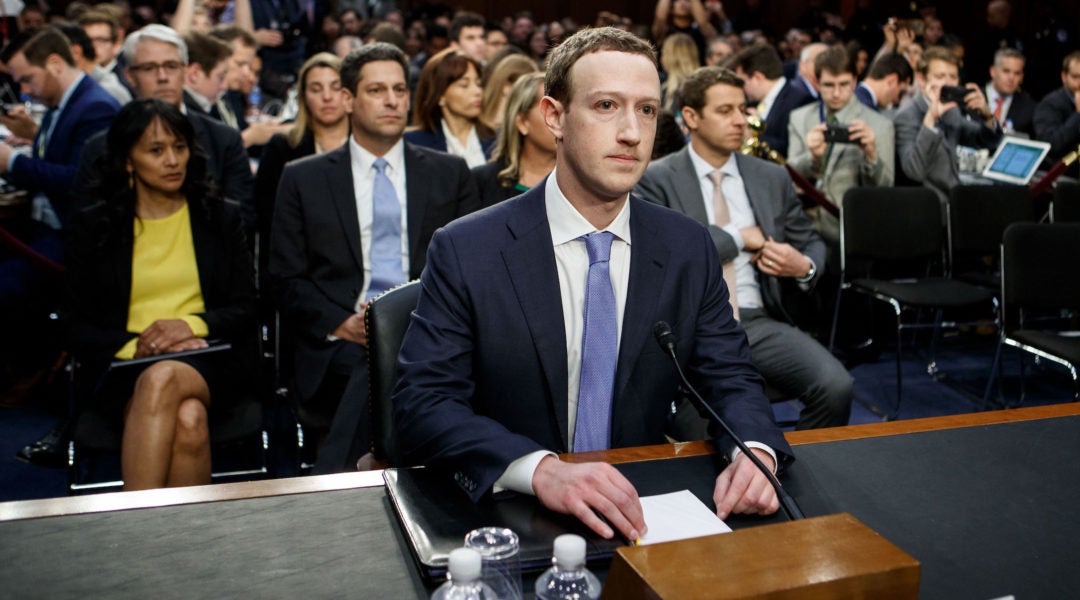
[(43, 66), (156, 57)]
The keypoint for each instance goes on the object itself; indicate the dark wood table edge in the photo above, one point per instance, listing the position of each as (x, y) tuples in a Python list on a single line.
[(53, 507)]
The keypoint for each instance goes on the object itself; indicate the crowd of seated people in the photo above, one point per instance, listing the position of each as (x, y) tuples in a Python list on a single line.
[(367, 128)]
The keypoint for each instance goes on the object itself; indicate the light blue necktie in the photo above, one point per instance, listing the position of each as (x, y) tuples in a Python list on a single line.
[(386, 269), (599, 350)]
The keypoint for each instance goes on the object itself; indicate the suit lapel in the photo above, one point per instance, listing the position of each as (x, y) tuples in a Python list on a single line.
[(340, 183), (688, 199), (648, 255), (530, 261), (418, 185), (756, 195), (203, 243)]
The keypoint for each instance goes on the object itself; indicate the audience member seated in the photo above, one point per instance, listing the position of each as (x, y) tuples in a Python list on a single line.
[(678, 58), (156, 56), (767, 88), (348, 225), (524, 149), (108, 38), (282, 55), (321, 125), (42, 65), (719, 49), (1013, 108), (82, 50), (1057, 117), (766, 243), (497, 82), (159, 265), (806, 77), (446, 115), (467, 35), (241, 76), (682, 16), (886, 82), (928, 130), (867, 160), (204, 76)]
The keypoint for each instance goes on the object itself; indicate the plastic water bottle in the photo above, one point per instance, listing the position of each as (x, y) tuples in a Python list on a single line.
[(464, 581), (255, 103), (568, 579)]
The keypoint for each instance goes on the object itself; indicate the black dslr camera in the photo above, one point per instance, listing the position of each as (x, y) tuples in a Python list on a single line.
[(953, 93), (837, 134)]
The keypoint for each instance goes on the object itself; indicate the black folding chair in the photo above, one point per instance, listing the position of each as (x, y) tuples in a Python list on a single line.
[(1066, 205), (901, 226), (1039, 276), (978, 216), (387, 317)]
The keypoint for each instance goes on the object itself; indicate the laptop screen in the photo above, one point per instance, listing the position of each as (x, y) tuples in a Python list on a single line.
[(1016, 160)]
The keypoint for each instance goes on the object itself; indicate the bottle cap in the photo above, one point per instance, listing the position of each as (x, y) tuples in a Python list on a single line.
[(465, 565), (569, 551)]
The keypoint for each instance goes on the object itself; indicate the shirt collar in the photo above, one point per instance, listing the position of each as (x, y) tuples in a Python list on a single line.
[(203, 102), (364, 160), (770, 98), (566, 222), (69, 92), (703, 168)]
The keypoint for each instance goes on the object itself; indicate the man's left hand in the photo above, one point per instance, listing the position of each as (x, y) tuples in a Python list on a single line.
[(742, 488), (975, 101), (781, 259), (862, 134)]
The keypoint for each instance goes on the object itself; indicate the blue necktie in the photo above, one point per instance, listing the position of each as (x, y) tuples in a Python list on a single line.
[(599, 350), (46, 133), (386, 269)]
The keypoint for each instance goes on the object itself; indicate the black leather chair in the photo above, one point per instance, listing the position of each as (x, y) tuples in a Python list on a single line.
[(978, 216), (387, 317), (901, 226), (1066, 205), (1039, 276)]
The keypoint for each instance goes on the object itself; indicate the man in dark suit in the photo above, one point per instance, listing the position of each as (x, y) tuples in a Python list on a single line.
[(43, 65), (204, 76), (533, 332), (156, 57), (348, 225), (773, 95), (1013, 109), (761, 231), (108, 38), (1057, 117), (886, 81)]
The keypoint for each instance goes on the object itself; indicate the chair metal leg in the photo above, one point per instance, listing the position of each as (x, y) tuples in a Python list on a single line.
[(935, 339), (994, 375), (835, 316), (1023, 387), (899, 362)]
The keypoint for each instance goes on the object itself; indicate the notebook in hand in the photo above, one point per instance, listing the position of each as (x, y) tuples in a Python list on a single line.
[(435, 516)]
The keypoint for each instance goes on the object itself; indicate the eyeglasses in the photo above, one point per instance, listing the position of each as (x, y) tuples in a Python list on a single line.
[(170, 66)]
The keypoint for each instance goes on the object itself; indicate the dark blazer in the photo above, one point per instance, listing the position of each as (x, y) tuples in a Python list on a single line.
[(226, 162), (437, 141), (672, 182), (492, 191), (484, 367), (316, 265), (89, 110), (791, 96), (275, 156), (1022, 113), (863, 94), (99, 280), (1057, 122)]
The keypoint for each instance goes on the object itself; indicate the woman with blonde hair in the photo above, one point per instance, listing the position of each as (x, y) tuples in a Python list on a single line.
[(525, 148), (497, 87), (321, 125), (446, 108), (679, 57)]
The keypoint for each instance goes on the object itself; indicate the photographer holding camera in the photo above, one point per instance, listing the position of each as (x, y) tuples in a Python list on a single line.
[(838, 141), (929, 129)]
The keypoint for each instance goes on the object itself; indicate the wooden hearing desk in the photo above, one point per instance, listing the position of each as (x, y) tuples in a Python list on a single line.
[(332, 536)]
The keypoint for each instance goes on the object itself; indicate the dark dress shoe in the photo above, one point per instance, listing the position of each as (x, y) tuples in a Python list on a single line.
[(50, 451)]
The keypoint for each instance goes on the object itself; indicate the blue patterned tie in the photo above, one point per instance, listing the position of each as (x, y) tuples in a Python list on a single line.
[(46, 133), (599, 350), (386, 269)]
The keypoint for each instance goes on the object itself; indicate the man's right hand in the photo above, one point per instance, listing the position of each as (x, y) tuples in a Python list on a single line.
[(936, 108), (752, 238), (590, 491), (20, 122), (815, 141), (353, 328)]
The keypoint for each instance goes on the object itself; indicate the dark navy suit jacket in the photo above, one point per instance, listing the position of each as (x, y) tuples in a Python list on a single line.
[(437, 141), (791, 96), (863, 94), (89, 110), (484, 365)]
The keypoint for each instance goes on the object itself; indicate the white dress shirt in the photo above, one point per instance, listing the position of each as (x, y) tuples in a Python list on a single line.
[(991, 99), (473, 153), (363, 174), (767, 102)]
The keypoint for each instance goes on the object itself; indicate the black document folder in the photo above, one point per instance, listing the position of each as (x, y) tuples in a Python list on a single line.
[(435, 515)]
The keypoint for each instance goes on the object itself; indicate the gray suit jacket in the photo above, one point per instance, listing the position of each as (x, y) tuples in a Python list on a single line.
[(847, 166), (672, 182), (929, 156)]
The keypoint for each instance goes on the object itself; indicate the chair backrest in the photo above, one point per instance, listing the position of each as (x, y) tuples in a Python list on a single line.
[(1066, 208), (387, 317), (891, 224), (1038, 266), (979, 214)]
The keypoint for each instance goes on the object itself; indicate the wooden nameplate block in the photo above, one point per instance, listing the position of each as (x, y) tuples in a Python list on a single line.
[(835, 556)]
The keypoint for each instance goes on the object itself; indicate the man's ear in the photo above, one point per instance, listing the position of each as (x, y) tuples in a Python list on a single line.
[(554, 113), (348, 100), (690, 118)]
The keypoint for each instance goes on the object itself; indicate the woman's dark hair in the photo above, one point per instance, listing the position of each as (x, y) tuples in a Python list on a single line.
[(438, 74), (111, 186)]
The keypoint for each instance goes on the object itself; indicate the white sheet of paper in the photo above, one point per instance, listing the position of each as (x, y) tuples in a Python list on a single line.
[(678, 516)]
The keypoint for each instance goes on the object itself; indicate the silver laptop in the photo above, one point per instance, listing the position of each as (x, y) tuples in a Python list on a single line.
[(1016, 160)]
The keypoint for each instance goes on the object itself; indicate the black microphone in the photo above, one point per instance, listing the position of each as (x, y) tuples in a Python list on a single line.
[(666, 339)]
